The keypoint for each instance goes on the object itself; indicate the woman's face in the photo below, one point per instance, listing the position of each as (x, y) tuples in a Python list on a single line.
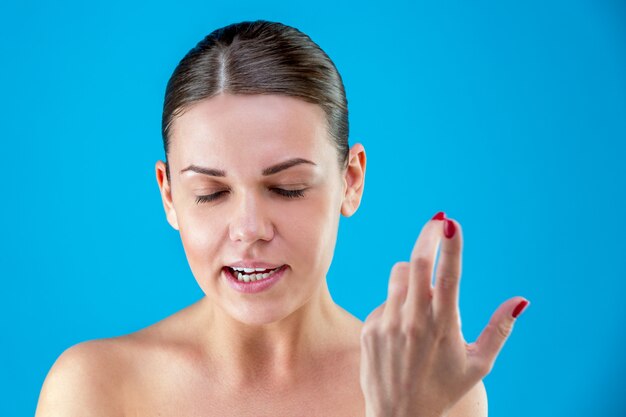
[(249, 218)]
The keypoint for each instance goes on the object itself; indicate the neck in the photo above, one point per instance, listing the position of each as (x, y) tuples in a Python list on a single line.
[(276, 352)]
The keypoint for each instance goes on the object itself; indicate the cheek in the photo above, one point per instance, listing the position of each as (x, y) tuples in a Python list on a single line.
[(310, 231), (199, 243)]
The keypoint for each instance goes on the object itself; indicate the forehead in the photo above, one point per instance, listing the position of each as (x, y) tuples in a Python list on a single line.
[(262, 127)]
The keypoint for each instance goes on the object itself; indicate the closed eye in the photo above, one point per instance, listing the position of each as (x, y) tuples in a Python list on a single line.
[(289, 193), (279, 191)]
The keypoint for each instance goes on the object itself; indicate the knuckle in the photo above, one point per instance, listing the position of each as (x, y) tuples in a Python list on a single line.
[(370, 333), (447, 280), (502, 329), (441, 334), (487, 367), (366, 332), (422, 263), (484, 367), (412, 329), (398, 289), (392, 328)]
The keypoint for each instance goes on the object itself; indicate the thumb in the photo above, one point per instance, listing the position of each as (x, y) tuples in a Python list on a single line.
[(484, 351)]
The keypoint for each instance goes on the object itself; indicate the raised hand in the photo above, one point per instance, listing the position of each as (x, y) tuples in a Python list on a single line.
[(414, 359)]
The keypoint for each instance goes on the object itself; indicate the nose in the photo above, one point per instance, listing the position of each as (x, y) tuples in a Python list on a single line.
[(249, 221)]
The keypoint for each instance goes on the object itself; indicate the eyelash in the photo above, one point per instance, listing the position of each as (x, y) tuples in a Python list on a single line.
[(280, 191)]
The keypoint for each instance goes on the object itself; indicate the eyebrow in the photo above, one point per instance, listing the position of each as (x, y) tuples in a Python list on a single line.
[(266, 172)]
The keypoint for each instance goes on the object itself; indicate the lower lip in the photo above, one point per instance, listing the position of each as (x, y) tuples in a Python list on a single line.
[(253, 286)]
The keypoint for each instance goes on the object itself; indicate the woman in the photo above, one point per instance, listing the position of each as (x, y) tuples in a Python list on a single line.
[(257, 173)]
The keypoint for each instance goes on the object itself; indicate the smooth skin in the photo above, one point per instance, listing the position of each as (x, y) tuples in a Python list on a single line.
[(290, 349)]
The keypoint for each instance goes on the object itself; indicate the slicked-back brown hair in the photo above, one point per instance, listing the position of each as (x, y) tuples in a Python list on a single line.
[(259, 57)]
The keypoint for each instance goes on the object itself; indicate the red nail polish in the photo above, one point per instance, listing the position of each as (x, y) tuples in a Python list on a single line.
[(439, 216), (520, 307), (449, 228)]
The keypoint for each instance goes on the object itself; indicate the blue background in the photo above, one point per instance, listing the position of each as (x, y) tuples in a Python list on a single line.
[(509, 116)]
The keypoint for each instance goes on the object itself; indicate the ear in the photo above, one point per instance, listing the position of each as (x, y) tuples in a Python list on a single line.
[(354, 180), (166, 194)]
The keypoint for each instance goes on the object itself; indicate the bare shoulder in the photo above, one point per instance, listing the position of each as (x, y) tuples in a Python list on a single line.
[(81, 382), (472, 404), (98, 377)]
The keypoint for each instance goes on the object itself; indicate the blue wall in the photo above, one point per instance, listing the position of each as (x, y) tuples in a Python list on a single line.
[(509, 116)]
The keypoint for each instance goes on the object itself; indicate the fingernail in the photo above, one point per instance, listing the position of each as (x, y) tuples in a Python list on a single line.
[(520, 307), (439, 216), (449, 228)]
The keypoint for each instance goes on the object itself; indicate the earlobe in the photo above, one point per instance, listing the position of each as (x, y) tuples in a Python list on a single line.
[(347, 208), (166, 194)]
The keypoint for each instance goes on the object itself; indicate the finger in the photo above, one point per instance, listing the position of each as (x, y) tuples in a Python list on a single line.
[(484, 351), (448, 275), (419, 293), (397, 290)]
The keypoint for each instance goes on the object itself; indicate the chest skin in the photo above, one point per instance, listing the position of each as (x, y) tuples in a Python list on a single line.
[(165, 383)]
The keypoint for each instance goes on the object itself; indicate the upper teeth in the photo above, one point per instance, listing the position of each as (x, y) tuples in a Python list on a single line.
[(248, 270)]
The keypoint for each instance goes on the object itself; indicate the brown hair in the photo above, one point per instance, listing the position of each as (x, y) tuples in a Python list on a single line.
[(259, 57)]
